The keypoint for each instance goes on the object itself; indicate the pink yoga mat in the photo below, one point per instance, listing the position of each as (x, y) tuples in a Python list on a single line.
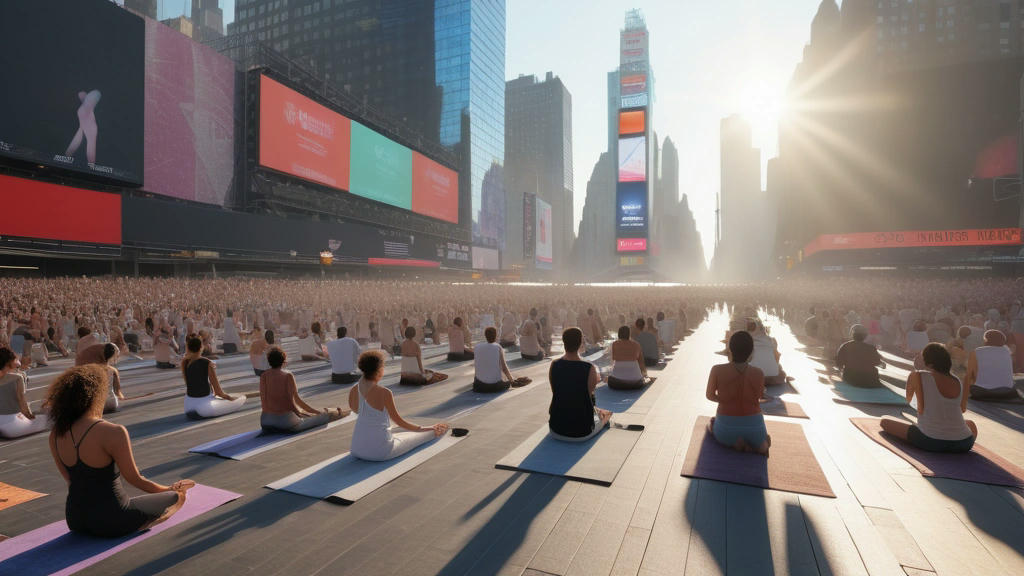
[(979, 465), (52, 549)]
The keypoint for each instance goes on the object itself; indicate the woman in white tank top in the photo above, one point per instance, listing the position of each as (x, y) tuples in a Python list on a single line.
[(372, 438), (941, 403)]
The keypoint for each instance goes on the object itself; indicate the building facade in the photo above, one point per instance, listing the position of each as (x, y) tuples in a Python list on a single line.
[(437, 67), (207, 20), (145, 8), (538, 161)]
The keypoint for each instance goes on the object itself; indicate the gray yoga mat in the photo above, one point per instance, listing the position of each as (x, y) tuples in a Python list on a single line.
[(253, 442), (345, 479), (596, 461)]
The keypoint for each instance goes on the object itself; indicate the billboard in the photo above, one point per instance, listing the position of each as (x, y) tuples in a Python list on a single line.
[(381, 169), (485, 258), (302, 138), (632, 122), (190, 117), (543, 253), (435, 189), (529, 226), (633, 159), (633, 84), (915, 239), (307, 140), (74, 101), (631, 210), (54, 212)]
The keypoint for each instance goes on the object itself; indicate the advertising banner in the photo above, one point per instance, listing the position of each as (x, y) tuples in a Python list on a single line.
[(190, 117), (633, 84), (632, 245), (915, 239), (302, 138), (529, 225), (53, 212), (633, 101), (633, 159), (631, 210), (435, 189), (74, 101), (544, 235), (632, 122), (381, 168)]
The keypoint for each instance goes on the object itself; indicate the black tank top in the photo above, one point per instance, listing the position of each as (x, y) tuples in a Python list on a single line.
[(97, 503), (572, 409), (197, 378)]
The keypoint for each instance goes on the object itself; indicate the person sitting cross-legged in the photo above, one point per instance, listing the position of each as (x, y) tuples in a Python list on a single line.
[(859, 360), (629, 371), (737, 388), (373, 438), (344, 353), (490, 366), (648, 343), (572, 416), (458, 342), (990, 369), (941, 403), (529, 338), (413, 373), (283, 409)]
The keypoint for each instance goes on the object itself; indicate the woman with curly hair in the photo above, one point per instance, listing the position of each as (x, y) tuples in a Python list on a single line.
[(89, 452)]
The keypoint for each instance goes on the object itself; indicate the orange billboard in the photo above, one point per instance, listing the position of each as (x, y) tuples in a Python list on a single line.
[(631, 122), (914, 239), (435, 189), (303, 138)]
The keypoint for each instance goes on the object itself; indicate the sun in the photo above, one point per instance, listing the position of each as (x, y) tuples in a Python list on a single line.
[(763, 104)]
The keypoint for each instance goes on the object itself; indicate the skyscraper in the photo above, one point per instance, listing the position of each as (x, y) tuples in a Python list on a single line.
[(434, 66), (740, 200), (538, 160), (145, 8), (207, 20)]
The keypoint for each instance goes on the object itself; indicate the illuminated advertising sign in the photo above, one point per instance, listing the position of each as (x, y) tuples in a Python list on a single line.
[(302, 138), (632, 244), (631, 210), (435, 189), (631, 122), (381, 168), (633, 101), (633, 84), (53, 212), (76, 100), (915, 239), (545, 243), (633, 159)]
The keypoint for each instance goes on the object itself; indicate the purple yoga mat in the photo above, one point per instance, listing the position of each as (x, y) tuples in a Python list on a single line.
[(52, 549), (979, 465)]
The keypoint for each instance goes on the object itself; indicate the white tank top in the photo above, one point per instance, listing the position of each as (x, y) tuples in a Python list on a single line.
[(764, 357), (487, 363), (995, 367), (409, 365), (942, 418), (627, 370), (371, 437)]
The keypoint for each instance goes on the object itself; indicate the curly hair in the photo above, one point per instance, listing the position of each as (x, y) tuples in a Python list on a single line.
[(74, 393), (371, 363)]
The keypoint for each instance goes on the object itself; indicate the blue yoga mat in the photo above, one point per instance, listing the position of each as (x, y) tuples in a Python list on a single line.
[(856, 395)]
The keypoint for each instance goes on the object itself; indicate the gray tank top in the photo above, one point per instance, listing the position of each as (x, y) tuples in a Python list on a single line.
[(942, 418), (9, 385)]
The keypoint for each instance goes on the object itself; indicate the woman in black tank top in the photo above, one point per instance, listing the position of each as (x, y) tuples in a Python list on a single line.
[(572, 413), (96, 502)]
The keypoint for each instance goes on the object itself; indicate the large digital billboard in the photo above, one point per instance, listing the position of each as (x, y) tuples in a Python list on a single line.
[(73, 94), (190, 117), (915, 239), (309, 141), (52, 212), (302, 138), (543, 254), (632, 122), (631, 210), (435, 189), (633, 159), (381, 168)]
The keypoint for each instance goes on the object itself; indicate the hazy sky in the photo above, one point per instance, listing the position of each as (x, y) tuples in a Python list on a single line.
[(711, 58)]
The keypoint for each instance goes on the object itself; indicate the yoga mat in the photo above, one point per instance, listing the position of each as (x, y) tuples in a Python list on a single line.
[(344, 479), (52, 549), (618, 401), (979, 465), (790, 466), (854, 395), (596, 461), (12, 495), (247, 444), (779, 407)]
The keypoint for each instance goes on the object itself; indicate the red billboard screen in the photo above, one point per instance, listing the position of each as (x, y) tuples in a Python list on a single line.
[(302, 138), (915, 239), (435, 189), (632, 245), (631, 122), (53, 212)]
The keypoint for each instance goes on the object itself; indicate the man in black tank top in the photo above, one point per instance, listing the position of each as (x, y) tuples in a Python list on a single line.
[(573, 381)]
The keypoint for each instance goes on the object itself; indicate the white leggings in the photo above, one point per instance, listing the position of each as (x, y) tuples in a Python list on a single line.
[(17, 425), (211, 406), (401, 442)]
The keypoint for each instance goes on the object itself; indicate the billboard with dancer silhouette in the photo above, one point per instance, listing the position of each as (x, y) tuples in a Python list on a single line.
[(73, 97)]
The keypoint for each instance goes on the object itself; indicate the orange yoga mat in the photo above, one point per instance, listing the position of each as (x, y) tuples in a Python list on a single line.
[(12, 495)]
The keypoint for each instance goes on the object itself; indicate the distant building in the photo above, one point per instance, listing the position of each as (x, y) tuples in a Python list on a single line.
[(538, 160), (740, 203), (181, 23), (207, 20), (145, 8), (435, 66)]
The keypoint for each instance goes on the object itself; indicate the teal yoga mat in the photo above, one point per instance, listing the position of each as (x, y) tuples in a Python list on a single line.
[(854, 395)]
